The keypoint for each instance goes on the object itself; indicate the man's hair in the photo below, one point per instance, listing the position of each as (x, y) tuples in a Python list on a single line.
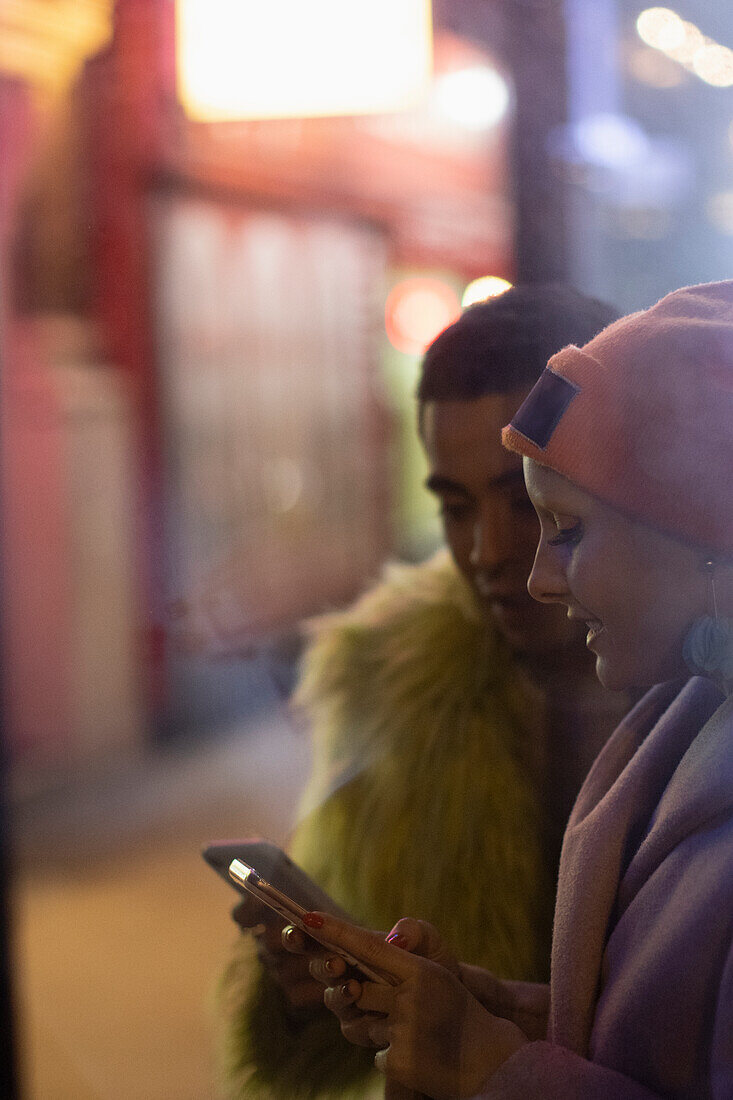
[(504, 343)]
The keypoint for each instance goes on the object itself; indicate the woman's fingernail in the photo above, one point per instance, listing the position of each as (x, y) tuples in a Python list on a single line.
[(331, 965), (348, 990), (396, 939), (313, 920)]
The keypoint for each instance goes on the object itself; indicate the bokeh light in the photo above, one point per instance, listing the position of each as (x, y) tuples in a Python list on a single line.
[(685, 43), (661, 28), (611, 140), (693, 40), (476, 98), (714, 64), (487, 286), (416, 310)]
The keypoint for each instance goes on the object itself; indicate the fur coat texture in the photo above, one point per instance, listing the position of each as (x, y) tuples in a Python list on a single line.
[(421, 803)]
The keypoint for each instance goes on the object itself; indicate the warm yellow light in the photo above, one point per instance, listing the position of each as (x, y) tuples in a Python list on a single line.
[(661, 28), (475, 98), (47, 43), (692, 41), (684, 42), (488, 286), (247, 59), (714, 64)]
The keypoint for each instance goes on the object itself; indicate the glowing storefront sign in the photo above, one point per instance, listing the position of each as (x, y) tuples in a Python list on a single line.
[(245, 59)]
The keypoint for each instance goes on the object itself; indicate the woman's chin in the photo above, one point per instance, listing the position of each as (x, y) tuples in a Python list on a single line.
[(612, 677), (615, 677)]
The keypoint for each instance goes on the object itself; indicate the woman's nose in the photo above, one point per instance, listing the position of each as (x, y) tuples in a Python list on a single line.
[(547, 582)]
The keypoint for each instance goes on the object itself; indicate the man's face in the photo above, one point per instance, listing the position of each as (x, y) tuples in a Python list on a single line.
[(489, 522)]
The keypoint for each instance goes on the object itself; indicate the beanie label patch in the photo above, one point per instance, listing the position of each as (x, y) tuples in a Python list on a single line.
[(544, 408)]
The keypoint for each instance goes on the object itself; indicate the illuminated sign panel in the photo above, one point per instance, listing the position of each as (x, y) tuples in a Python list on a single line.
[(241, 59)]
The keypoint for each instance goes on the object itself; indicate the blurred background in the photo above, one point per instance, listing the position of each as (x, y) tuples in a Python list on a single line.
[(227, 232)]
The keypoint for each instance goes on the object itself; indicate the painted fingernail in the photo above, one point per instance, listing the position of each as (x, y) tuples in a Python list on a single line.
[(348, 990), (396, 939), (331, 965), (313, 920)]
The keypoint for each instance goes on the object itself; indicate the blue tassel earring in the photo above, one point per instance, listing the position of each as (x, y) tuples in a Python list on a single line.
[(708, 646)]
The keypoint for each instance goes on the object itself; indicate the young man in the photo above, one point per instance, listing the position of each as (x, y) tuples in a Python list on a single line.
[(453, 718)]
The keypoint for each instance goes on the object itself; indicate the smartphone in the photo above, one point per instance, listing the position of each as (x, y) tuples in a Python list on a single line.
[(292, 912), (276, 867)]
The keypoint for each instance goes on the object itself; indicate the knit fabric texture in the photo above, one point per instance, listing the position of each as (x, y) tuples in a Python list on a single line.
[(642, 415)]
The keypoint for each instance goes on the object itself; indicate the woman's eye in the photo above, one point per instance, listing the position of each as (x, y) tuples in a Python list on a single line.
[(567, 535)]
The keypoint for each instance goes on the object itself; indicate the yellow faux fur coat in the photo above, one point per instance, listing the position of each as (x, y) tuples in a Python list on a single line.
[(421, 803)]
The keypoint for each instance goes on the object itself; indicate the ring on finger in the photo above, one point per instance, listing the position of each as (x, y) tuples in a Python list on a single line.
[(340, 997)]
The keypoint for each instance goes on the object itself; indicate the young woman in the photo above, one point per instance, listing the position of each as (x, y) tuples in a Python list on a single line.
[(628, 455)]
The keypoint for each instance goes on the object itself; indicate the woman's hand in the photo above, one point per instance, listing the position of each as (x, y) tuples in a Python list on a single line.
[(419, 937), (303, 995), (416, 936), (433, 1035), (324, 968)]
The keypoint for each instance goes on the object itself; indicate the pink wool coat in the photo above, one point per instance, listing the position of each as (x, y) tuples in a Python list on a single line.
[(641, 995)]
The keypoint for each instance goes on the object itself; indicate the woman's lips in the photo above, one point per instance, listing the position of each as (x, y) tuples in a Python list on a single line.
[(595, 628)]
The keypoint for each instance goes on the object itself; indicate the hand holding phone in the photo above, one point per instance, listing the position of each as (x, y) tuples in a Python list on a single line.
[(276, 867), (293, 913)]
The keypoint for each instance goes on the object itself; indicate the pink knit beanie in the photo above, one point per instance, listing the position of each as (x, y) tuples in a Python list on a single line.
[(642, 415)]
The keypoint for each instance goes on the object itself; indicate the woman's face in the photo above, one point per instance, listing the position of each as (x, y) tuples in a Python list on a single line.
[(638, 590)]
